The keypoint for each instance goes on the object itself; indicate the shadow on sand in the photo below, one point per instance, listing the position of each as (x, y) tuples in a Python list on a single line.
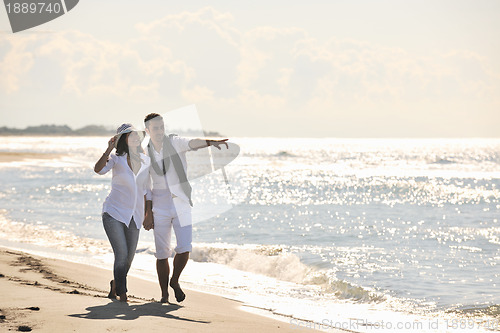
[(126, 311)]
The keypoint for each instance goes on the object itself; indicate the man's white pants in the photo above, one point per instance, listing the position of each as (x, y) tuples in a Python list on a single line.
[(163, 233)]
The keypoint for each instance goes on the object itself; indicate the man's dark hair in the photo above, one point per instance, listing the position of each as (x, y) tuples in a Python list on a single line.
[(151, 116)]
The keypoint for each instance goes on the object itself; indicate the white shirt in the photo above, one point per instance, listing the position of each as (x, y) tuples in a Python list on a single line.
[(169, 198), (126, 199)]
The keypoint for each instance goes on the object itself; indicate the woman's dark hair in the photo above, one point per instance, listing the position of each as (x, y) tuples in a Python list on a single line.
[(122, 146)]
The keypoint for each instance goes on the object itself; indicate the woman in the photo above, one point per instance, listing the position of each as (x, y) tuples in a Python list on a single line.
[(123, 210)]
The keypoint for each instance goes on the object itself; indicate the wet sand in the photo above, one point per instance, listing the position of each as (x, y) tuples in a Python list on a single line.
[(50, 295)]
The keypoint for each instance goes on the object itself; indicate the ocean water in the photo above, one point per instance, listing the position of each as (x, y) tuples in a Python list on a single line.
[(359, 234)]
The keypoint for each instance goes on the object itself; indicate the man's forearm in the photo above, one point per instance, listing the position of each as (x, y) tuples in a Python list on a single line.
[(198, 143), (148, 207), (203, 143)]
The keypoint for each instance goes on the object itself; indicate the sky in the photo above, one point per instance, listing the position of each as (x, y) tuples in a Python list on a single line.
[(389, 68)]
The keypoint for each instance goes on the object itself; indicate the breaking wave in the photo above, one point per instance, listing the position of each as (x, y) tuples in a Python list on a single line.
[(276, 262)]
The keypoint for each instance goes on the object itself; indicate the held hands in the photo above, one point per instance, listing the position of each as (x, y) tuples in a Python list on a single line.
[(148, 223), (217, 143)]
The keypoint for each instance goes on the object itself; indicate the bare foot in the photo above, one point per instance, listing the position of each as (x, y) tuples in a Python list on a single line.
[(123, 297), (112, 289), (164, 299), (179, 294)]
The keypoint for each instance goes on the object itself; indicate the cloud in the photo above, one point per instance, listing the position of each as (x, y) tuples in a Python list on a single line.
[(16, 61), (207, 18), (202, 57)]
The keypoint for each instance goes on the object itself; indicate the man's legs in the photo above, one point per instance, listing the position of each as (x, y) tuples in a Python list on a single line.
[(184, 236), (163, 271), (162, 231), (180, 261)]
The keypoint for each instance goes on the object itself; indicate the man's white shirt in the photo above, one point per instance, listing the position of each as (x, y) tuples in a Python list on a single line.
[(168, 196)]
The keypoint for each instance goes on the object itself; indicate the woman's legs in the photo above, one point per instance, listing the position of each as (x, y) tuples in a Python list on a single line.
[(124, 243), (132, 236)]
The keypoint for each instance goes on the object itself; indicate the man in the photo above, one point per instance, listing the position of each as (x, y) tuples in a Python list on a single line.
[(171, 201)]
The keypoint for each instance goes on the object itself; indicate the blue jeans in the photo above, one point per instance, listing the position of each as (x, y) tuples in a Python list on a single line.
[(124, 243)]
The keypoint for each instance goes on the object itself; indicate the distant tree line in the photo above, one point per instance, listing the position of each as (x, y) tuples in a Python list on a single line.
[(58, 130), (90, 130)]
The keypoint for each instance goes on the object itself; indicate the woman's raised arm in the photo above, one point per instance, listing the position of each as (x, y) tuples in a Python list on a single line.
[(104, 158)]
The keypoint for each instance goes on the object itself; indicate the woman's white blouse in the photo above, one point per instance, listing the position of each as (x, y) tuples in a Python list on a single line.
[(126, 199)]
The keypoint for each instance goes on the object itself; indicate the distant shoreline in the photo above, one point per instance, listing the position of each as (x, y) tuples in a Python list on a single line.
[(56, 130), (7, 157), (90, 130)]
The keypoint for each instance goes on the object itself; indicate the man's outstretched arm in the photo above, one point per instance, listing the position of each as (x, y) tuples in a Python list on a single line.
[(201, 143)]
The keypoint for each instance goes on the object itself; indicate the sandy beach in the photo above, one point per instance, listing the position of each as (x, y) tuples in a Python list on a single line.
[(49, 295), (361, 251), (7, 157)]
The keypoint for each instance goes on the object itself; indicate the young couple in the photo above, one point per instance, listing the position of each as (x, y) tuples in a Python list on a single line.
[(149, 188)]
